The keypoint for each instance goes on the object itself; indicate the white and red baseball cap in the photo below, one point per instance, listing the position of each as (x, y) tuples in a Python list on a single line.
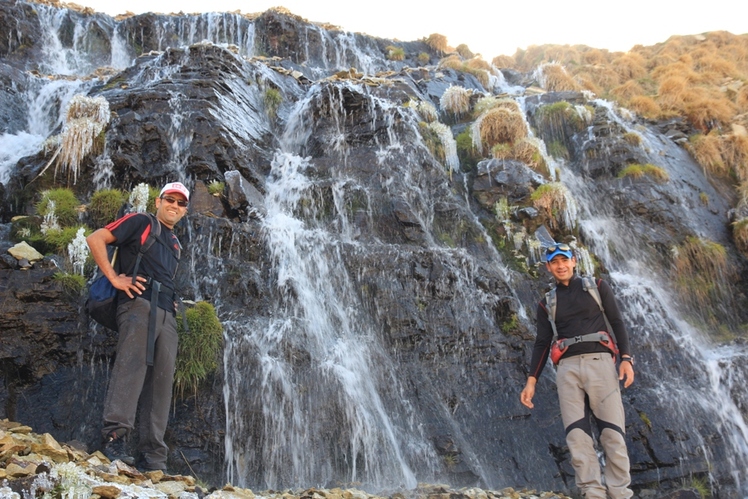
[(175, 187)]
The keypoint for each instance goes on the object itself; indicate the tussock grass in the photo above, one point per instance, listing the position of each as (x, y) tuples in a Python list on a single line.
[(552, 201), (681, 76), (104, 206), (199, 348), (395, 53), (646, 106), (503, 61), (464, 51), (485, 104), (500, 125), (83, 132), (741, 98), (740, 234), (707, 151), (554, 78), (455, 100), (735, 154), (702, 273), (437, 42), (60, 204), (638, 171)]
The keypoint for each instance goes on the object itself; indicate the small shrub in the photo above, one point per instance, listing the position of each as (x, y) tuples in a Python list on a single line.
[(554, 202), (199, 349), (72, 284), (272, 100), (216, 187), (61, 203), (424, 58), (104, 206), (466, 151), (437, 42), (433, 142), (558, 149), (57, 241), (395, 53)]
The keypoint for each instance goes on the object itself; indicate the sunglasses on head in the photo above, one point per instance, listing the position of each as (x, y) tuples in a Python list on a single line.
[(557, 247), (180, 202)]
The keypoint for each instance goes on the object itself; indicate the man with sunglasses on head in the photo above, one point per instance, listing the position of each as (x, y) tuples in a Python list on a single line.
[(147, 346), (587, 380)]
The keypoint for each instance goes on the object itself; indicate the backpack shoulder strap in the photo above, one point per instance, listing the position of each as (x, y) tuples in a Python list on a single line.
[(590, 284), (147, 238), (550, 306)]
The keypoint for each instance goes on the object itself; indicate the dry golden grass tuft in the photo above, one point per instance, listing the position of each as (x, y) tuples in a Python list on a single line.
[(437, 42), (707, 151), (625, 92), (501, 125), (455, 100), (735, 154), (646, 106), (478, 63), (702, 78), (464, 51), (740, 234), (741, 99), (630, 66), (554, 78), (504, 61)]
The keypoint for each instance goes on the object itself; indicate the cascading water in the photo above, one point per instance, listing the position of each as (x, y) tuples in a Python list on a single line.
[(325, 392)]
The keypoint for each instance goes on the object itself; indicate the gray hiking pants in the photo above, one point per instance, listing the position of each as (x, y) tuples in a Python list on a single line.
[(589, 382), (133, 380)]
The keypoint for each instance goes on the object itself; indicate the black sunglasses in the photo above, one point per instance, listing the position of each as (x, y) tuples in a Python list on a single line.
[(180, 202), (557, 247)]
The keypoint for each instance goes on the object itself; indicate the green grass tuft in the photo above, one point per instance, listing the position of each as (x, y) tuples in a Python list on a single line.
[(199, 348)]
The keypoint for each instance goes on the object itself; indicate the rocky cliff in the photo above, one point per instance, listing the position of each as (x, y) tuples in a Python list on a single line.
[(378, 306)]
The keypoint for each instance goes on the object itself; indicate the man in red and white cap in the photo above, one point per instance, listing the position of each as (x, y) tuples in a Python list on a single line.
[(147, 347)]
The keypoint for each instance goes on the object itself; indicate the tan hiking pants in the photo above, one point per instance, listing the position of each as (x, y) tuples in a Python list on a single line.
[(589, 382)]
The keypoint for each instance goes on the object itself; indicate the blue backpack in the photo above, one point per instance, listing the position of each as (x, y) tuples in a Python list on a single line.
[(102, 296)]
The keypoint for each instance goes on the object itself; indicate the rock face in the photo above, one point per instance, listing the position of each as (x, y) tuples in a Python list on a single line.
[(377, 323)]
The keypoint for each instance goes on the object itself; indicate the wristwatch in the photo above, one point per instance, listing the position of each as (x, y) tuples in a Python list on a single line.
[(629, 359)]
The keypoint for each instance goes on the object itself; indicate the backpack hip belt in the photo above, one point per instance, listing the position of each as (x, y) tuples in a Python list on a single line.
[(559, 347)]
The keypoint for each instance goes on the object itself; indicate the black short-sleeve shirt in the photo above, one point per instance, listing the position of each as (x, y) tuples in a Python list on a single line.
[(158, 263)]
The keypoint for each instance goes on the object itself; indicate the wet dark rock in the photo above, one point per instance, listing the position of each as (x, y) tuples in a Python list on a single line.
[(496, 179)]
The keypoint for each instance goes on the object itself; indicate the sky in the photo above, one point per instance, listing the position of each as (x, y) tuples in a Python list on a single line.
[(489, 28)]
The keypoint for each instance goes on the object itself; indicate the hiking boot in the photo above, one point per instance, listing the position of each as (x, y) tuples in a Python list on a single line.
[(115, 447)]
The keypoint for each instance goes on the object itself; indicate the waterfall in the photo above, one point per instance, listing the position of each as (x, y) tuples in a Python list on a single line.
[(46, 101)]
